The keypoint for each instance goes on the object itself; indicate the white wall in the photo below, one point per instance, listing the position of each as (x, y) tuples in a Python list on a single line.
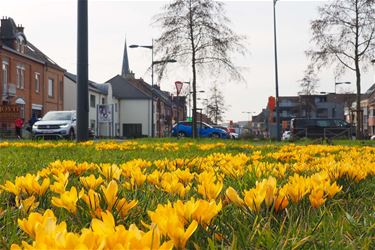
[(70, 94), (136, 111)]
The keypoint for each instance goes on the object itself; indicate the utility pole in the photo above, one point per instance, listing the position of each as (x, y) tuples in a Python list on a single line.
[(82, 73), (276, 75)]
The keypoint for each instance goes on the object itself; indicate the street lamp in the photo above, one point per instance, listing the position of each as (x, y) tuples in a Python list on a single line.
[(151, 47), (249, 113), (338, 83), (189, 94), (178, 90), (276, 74)]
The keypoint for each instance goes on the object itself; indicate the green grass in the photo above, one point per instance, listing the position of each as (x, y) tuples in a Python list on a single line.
[(345, 222)]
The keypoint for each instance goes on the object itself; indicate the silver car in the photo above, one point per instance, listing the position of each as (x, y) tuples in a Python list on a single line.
[(56, 124)]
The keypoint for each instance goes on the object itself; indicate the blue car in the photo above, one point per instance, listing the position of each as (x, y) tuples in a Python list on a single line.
[(184, 129)]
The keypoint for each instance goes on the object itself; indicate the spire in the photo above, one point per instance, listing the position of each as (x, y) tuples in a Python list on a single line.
[(125, 63)]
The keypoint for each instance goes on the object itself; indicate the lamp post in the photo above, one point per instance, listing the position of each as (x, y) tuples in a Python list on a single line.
[(178, 90), (82, 72), (249, 113), (151, 47), (189, 94), (338, 83), (276, 74)]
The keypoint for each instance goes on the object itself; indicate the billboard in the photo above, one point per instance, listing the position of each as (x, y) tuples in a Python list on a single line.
[(104, 113)]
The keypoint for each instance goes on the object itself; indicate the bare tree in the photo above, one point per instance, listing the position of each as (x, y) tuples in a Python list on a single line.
[(309, 83), (216, 105), (197, 32), (344, 35)]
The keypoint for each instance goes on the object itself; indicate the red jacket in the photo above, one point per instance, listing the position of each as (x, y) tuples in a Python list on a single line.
[(19, 123)]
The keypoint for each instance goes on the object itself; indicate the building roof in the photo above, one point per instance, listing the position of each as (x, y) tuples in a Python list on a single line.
[(370, 91), (122, 89), (259, 117), (9, 32), (34, 52), (96, 87)]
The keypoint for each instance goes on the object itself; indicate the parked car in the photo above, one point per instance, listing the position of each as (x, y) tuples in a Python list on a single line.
[(287, 135), (184, 129), (56, 124), (321, 128), (372, 137), (231, 132)]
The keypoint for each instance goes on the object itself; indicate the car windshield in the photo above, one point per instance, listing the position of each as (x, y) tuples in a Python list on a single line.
[(57, 116)]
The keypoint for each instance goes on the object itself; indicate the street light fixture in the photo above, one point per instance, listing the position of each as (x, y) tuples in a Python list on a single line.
[(338, 83), (276, 75), (249, 113), (151, 47), (189, 94)]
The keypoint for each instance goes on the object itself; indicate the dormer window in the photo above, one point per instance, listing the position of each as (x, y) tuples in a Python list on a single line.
[(20, 44)]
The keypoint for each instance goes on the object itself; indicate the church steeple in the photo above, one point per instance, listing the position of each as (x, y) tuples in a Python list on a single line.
[(125, 72)]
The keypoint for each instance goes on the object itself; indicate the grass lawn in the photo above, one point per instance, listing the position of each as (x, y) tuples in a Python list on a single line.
[(179, 194)]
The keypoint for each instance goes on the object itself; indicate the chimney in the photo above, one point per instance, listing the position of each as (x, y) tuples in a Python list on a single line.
[(20, 28), (8, 28)]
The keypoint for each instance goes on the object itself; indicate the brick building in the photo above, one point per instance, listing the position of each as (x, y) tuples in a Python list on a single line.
[(30, 81)]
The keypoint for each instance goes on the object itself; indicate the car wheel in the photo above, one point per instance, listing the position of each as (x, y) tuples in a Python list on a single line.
[(215, 136), (181, 134), (71, 135)]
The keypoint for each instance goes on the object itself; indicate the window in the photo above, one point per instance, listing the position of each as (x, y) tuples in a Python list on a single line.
[(322, 113), (51, 87), (92, 101), (323, 123), (321, 99), (5, 77), (22, 110), (117, 129), (37, 82), (115, 107), (20, 76), (61, 90), (92, 124), (103, 100)]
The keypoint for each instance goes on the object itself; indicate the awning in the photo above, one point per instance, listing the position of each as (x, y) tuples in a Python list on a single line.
[(36, 106), (20, 101)]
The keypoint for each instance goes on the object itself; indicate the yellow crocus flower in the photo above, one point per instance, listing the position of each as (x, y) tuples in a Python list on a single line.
[(210, 190), (110, 194), (28, 205), (186, 210), (29, 225), (333, 189), (105, 226), (254, 198), (233, 196), (92, 199), (91, 182), (12, 188), (68, 200), (206, 211), (123, 206), (110, 171), (316, 198)]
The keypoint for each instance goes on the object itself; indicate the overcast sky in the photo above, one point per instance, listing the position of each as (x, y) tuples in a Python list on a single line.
[(51, 26)]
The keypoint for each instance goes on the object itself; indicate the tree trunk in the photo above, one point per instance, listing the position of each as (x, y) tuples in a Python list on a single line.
[(194, 120), (358, 101), (357, 74)]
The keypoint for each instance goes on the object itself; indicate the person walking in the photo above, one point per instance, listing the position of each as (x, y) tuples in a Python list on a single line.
[(32, 120), (19, 124)]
